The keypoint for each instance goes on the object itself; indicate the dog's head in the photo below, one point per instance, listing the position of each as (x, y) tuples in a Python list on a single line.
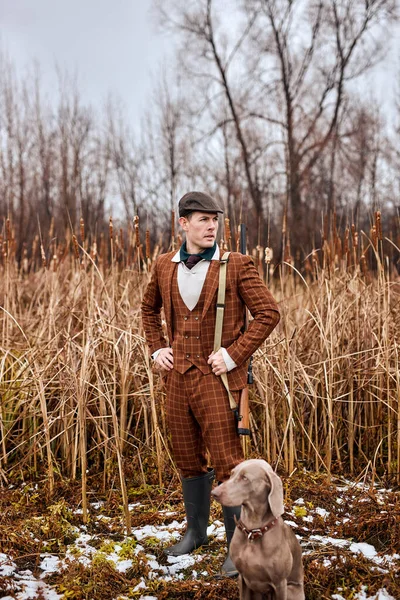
[(252, 481)]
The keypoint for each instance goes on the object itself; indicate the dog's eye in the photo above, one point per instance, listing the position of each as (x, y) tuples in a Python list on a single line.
[(245, 478)]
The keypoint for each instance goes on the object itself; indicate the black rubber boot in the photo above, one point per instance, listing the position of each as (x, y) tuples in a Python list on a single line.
[(196, 497), (228, 569)]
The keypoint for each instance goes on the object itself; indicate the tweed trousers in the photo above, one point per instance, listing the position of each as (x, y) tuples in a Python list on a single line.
[(200, 419)]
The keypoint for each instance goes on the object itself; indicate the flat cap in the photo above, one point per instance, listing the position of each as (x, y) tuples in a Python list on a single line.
[(197, 201)]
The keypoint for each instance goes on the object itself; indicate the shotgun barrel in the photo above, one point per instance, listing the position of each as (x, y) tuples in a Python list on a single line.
[(244, 416)]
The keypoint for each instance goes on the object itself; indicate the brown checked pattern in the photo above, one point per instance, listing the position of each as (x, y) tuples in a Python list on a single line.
[(243, 287), (198, 411)]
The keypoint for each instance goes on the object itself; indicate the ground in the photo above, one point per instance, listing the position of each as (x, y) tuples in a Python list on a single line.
[(349, 532)]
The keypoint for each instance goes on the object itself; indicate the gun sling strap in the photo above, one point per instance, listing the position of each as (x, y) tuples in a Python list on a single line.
[(220, 320)]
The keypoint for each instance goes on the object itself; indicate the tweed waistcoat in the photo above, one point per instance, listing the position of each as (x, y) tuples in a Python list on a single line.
[(243, 287), (187, 344)]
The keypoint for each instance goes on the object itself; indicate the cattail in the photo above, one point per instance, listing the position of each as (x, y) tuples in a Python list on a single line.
[(255, 257), (51, 228), (327, 253), (238, 237), (118, 252), (287, 255), (82, 229), (147, 243), (102, 250), (227, 232), (334, 226), (339, 248), (172, 225), (378, 224), (43, 255), (76, 246), (68, 238), (131, 235), (61, 251), (307, 265), (314, 256), (8, 230), (25, 262), (156, 252), (35, 245), (54, 263), (269, 255), (326, 227), (363, 265), (121, 239), (136, 227), (13, 240), (111, 229), (93, 252), (353, 234), (284, 222)]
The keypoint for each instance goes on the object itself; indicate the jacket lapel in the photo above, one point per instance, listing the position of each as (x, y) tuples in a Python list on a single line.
[(211, 285), (168, 275)]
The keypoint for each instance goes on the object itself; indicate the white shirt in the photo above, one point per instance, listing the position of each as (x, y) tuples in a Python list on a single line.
[(190, 284)]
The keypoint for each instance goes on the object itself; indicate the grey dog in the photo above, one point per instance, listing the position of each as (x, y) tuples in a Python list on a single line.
[(264, 549)]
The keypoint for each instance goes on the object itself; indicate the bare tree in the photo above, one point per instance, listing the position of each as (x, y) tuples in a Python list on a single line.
[(319, 48), (53, 161), (208, 64), (278, 81)]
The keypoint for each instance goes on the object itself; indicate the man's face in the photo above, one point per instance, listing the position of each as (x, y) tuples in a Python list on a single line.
[(201, 231)]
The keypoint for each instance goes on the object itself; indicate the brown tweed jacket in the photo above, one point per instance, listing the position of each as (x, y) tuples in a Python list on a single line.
[(243, 287)]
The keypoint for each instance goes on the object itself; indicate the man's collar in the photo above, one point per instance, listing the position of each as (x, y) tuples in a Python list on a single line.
[(205, 254), (177, 256)]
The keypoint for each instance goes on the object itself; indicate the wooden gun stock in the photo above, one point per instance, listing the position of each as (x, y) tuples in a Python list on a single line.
[(243, 418)]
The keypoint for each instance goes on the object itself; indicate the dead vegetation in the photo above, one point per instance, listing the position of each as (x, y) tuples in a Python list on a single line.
[(354, 513), (81, 413)]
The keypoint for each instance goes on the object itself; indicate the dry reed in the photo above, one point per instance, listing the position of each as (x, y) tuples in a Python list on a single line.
[(79, 396)]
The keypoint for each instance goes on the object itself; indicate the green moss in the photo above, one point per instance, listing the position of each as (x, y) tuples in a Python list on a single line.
[(128, 548), (100, 560), (300, 511), (152, 542), (107, 547)]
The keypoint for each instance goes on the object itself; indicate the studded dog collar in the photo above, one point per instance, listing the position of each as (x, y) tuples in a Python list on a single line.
[(254, 534)]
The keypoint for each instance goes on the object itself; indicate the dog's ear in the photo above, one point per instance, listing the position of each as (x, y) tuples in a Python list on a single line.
[(275, 497)]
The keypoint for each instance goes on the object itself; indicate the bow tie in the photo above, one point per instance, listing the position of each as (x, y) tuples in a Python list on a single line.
[(193, 260)]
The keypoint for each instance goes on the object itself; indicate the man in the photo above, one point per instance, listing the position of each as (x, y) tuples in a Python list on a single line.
[(198, 414)]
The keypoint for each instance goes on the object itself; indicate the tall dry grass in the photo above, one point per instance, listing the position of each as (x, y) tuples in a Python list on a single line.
[(78, 394)]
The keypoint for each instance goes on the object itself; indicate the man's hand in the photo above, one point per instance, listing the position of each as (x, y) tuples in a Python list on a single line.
[(217, 362), (165, 359)]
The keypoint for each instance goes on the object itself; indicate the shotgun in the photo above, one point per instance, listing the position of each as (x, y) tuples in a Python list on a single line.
[(244, 418)]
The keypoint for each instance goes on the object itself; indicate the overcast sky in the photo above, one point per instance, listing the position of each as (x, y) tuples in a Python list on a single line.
[(111, 44), (114, 47)]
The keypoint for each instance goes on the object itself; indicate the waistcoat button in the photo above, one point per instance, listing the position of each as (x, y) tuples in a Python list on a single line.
[(197, 337), (187, 355), (196, 318), (185, 318), (197, 355), (186, 337)]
